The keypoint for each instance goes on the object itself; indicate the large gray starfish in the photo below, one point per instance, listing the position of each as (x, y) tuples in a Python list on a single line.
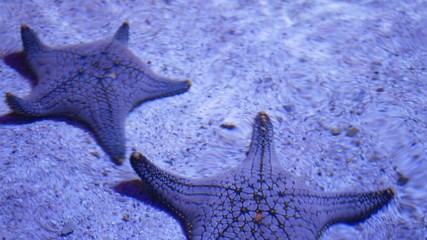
[(98, 83), (258, 200)]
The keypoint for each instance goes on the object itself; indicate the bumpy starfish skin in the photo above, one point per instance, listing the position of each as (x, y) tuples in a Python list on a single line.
[(98, 83), (258, 200)]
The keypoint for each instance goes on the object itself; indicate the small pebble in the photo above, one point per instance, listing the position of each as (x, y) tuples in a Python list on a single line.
[(351, 132), (228, 126), (67, 229), (288, 108), (95, 153), (403, 180), (335, 131)]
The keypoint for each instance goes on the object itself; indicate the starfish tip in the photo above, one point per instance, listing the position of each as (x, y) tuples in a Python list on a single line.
[(119, 161), (262, 113), (30, 41), (391, 192), (139, 162), (189, 83), (135, 156), (122, 34), (262, 118), (11, 99)]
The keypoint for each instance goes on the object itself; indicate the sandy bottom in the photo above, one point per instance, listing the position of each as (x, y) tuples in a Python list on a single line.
[(344, 82)]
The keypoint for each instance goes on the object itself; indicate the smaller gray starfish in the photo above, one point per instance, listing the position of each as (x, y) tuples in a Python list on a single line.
[(258, 200), (98, 83)]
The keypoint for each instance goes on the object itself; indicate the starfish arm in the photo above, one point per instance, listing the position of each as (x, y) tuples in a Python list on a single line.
[(146, 85), (122, 34), (262, 159), (351, 207), (152, 86), (38, 56), (185, 198), (110, 135), (167, 185), (30, 40), (49, 99), (32, 107), (105, 120)]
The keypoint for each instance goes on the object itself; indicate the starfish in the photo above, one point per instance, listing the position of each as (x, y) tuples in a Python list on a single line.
[(98, 83), (258, 200)]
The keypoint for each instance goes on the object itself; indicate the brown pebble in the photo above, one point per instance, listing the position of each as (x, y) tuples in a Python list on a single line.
[(228, 126), (335, 131), (125, 218), (95, 153), (356, 143), (403, 180), (351, 132)]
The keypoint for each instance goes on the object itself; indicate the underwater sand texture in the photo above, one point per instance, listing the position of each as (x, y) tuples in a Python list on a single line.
[(344, 83)]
